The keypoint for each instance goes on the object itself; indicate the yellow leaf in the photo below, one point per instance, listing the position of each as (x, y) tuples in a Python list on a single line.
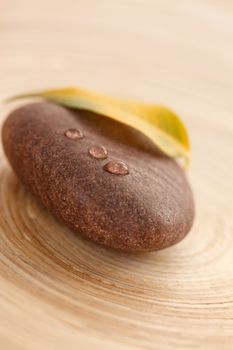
[(158, 123)]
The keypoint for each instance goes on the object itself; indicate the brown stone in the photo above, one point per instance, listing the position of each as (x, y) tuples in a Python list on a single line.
[(148, 209)]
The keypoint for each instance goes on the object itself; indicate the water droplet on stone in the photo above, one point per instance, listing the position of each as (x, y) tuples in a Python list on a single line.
[(116, 167), (73, 134), (98, 152)]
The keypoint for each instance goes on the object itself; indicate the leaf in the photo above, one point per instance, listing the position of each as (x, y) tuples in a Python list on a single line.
[(158, 123)]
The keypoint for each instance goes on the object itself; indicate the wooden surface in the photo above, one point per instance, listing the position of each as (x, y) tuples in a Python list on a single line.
[(59, 292)]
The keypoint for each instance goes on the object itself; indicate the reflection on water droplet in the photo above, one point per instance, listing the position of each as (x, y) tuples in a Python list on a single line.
[(98, 152), (116, 167), (73, 134)]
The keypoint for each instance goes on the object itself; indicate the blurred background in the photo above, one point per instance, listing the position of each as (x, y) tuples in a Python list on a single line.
[(148, 49)]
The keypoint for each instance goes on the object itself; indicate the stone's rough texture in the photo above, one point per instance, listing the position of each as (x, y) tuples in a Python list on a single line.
[(149, 209)]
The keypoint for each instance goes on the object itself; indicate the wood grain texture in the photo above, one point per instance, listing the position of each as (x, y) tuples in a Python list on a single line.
[(57, 291)]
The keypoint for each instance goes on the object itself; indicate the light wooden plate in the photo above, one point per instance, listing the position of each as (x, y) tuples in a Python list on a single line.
[(59, 292)]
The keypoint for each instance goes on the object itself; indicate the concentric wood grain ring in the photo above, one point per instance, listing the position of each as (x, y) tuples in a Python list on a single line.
[(90, 289)]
